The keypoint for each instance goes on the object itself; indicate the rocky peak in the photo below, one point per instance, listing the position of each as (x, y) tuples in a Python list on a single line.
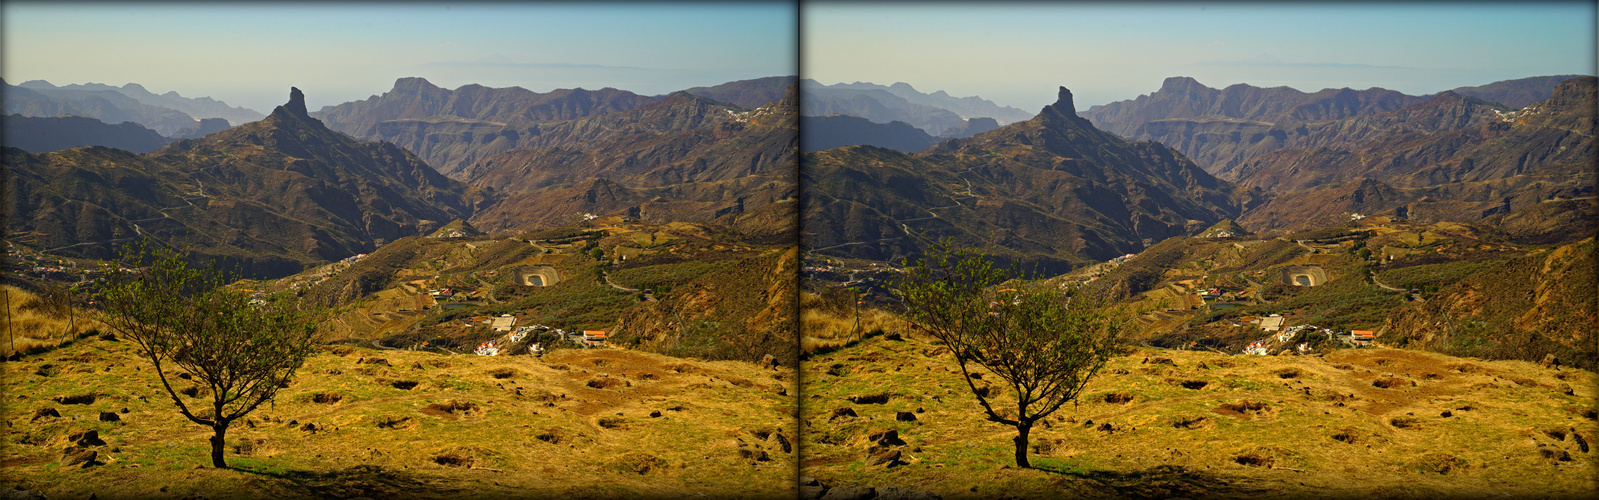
[(296, 103), (1063, 102), (413, 84), (1180, 84)]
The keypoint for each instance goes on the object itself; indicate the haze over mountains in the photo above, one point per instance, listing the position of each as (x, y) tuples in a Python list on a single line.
[(168, 114), (197, 107), (937, 114)]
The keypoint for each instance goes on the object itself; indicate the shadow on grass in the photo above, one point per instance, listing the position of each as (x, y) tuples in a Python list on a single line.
[(1163, 481), (369, 481)]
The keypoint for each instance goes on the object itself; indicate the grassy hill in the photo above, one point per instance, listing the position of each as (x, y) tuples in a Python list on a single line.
[(359, 422), (678, 288), (1161, 423)]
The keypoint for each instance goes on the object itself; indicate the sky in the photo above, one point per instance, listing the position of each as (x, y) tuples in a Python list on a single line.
[(249, 54), (1019, 54)]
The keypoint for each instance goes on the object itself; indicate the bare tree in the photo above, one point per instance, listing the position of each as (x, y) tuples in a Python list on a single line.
[(237, 351), (1043, 343)]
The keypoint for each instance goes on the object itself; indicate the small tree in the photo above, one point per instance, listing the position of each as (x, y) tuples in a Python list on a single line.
[(239, 353), (1044, 344)]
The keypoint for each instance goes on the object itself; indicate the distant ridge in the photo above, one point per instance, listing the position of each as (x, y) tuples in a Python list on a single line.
[(966, 107), (747, 94), (42, 135), (198, 107), (1517, 93), (108, 106), (416, 98), (832, 131)]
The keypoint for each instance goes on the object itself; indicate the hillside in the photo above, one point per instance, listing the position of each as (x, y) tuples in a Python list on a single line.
[(43, 135), (270, 196), (677, 288), (1449, 158), (893, 415), (833, 131), (683, 158), (747, 94), (1050, 192), (205, 127), (416, 99), (1517, 93), (362, 422), (1184, 101)]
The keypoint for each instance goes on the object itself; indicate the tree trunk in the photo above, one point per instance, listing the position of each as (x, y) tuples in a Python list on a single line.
[(1021, 444), (217, 442)]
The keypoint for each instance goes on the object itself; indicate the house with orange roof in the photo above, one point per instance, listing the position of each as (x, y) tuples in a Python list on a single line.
[(1362, 338)]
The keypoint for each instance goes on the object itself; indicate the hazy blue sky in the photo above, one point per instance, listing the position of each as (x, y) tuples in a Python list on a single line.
[(1018, 54), (249, 54)]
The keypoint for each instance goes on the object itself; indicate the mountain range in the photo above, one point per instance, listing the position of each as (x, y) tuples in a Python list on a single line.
[(683, 158), (936, 114), (963, 107), (197, 107), (269, 196), (1324, 156), (169, 114), (833, 131), (451, 129), (1220, 128), (43, 135), (1050, 192)]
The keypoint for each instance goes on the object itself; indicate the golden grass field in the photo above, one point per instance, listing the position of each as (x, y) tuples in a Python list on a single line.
[(1353, 423), (29, 326), (357, 422), (825, 327)]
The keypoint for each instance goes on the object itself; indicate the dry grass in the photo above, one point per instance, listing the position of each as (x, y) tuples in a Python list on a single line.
[(29, 326), (1250, 431), (343, 429), (825, 326)]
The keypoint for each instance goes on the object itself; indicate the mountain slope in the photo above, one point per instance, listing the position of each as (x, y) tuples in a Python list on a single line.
[(748, 94), (415, 98), (272, 195), (41, 135), (832, 131), (1449, 158), (1518, 93), (1052, 191), (684, 158), (1184, 97)]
